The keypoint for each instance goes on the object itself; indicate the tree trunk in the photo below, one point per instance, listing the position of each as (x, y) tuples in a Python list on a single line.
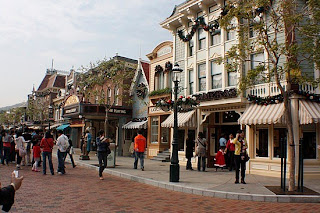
[(106, 123), (291, 143)]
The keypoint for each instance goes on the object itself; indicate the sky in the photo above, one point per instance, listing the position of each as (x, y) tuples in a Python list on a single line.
[(72, 33)]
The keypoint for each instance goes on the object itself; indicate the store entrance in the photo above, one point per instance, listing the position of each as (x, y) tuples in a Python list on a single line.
[(215, 133)]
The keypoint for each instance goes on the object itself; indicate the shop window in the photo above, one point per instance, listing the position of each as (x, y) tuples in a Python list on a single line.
[(191, 82), (202, 39), (309, 145), (202, 77), (216, 75), (181, 140), (154, 129), (164, 135), (262, 143), (279, 134)]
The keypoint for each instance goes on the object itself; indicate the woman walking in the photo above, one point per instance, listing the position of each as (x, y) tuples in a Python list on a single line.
[(102, 148), (201, 144), (47, 146)]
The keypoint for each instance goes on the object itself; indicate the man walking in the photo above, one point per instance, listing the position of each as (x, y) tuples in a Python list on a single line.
[(139, 148), (63, 144)]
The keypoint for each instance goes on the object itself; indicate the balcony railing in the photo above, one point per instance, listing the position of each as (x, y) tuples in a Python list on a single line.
[(271, 89)]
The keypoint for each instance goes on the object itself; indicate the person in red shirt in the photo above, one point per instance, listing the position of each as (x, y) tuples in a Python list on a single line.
[(219, 159), (230, 148), (36, 156), (139, 148), (47, 146)]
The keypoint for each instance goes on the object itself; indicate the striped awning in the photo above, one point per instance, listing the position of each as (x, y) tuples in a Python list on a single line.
[(185, 119), (309, 112), (260, 114), (136, 125)]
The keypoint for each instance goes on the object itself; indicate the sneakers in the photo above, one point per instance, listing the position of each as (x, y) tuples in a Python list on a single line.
[(101, 178), (60, 173)]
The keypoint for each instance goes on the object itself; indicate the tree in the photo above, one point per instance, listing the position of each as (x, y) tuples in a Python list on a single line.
[(288, 33), (96, 80)]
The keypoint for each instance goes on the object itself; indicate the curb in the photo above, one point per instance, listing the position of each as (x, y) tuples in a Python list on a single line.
[(210, 193)]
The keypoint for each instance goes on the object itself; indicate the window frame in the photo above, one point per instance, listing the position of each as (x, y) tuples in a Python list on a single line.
[(213, 74), (201, 77), (191, 81), (201, 39)]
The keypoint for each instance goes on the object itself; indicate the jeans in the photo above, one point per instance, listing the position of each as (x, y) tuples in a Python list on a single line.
[(19, 159), (71, 158), (6, 154), (240, 163), (137, 156), (201, 163), (102, 157), (44, 156), (61, 157)]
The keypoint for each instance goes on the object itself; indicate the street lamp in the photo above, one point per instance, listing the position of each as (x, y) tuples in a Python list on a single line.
[(49, 115), (174, 166)]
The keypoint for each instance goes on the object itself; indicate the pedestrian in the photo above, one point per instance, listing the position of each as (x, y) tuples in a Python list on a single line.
[(6, 147), (219, 159), (189, 150), (27, 137), (223, 141), (1, 147), (37, 137), (7, 193), (201, 146), (12, 146), (36, 156), (63, 145), (70, 152), (88, 140), (230, 152), (47, 146), (139, 148), (240, 155), (103, 151), (19, 148)]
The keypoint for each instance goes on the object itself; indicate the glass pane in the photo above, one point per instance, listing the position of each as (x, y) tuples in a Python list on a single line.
[(256, 60), (202, 34), (202, 84), (191, 89), (279, 134), (216, 68), (309, 145), (191, 76), (216, 81), (232, 78), (154, 130), (216, 39), (262, 145), (164, 135), (202, 70)]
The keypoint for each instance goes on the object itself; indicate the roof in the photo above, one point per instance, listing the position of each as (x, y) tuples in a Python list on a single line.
[(146, 69), (44, 82), (121, 58), (54, 80)]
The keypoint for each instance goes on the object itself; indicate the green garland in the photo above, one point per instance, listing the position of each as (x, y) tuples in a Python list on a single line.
[(266, 100), (160, 92)]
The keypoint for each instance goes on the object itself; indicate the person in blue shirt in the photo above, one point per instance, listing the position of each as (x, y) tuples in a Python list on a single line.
[(88, 139), (223, 141)]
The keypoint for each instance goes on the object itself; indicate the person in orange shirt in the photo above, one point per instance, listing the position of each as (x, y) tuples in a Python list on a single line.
[(139, 148)]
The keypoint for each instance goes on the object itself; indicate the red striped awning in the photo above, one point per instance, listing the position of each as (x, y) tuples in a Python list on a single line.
[(260, 114), (309, 112)]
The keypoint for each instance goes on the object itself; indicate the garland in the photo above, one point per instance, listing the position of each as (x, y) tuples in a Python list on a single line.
[(141, 90), (266, 100), (310, 96), (139, 119), (158, 68), (199, 22), (216, 95), (168, 66), (185, 104)]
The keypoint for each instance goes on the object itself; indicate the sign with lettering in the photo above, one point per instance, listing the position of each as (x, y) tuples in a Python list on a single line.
[(72, 110)]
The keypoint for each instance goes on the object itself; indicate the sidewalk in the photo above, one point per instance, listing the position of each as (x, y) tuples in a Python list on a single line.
[(211, 183)]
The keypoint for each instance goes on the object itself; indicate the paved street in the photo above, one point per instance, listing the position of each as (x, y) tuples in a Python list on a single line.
[(80, 190)]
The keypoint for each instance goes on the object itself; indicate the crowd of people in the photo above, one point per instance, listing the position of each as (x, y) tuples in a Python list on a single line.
[(26, 148)]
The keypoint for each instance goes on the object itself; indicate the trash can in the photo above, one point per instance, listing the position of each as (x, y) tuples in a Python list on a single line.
[(111, 159)]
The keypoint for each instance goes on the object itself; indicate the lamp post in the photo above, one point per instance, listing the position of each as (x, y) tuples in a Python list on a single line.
[(49, 115), (174, 166)]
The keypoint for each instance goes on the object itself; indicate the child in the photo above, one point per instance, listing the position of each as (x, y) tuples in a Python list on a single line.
[(220, 161), (36, 156)]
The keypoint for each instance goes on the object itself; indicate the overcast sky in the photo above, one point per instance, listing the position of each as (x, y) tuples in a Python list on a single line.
[(73, 33)]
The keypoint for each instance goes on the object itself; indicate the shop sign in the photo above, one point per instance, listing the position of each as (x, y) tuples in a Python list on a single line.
[(70, 111), (118, 111), (217, 95)]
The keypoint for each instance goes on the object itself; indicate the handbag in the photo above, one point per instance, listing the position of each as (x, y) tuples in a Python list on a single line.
[(22, 152)]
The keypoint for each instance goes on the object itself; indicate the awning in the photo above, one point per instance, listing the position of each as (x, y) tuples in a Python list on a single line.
[(63, 126), (34, 127), (77, 125), (260, 114), (53, 126), (309, 112), (185, 119), (136, 125)]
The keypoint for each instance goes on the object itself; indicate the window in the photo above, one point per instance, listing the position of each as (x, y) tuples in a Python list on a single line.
[(191, 47), (116, 95), (252, 32), (164, 135), (191, 82), (256, 60), (216, 75), (232, 78), (216, 37), (202, 77), (231, 34), (202, 38), (262, 143), (309, 145), (213, 8), (279, 134), (109, 96), (154, 129)]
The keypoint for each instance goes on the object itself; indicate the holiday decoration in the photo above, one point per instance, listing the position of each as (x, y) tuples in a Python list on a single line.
[(265, 100), (216, 95), (158, 68), (139, 119), (168, 66), (184, 104), (310, 96), (141, 90)]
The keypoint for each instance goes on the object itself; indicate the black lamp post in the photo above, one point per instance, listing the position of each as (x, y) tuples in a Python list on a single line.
[(174, 166), (50, 113)]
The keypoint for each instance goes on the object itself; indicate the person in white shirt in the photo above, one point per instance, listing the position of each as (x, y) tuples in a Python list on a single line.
[(19, 148), (63, 144)]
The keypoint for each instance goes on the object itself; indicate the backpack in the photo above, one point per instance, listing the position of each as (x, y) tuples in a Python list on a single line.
[(65, 145)]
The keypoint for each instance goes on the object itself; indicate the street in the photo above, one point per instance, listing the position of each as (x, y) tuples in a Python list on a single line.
[(80, 190)]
